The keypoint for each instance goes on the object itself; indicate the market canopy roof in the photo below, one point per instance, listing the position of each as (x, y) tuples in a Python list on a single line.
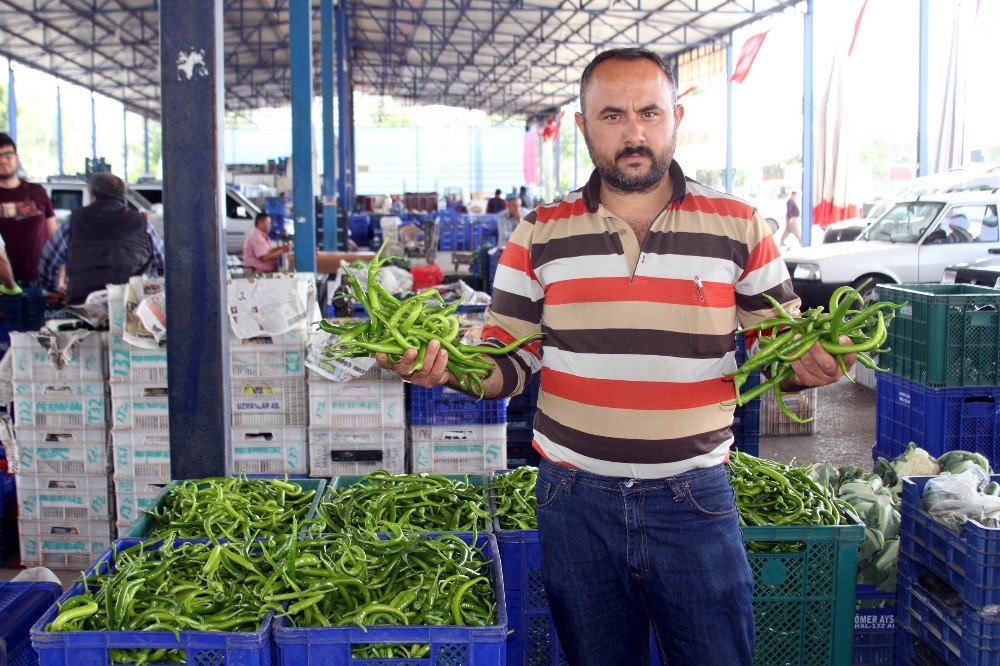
[(518, 57)]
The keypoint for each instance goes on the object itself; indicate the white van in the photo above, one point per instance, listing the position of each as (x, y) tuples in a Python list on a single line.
[(240, 211)]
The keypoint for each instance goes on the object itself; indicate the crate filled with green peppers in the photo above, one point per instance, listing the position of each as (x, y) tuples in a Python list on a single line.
[(239, 507), (420, 598), (166, 601), (380, 502)]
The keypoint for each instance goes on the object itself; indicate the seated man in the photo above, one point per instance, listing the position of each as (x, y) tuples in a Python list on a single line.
[(958, 229), (258, 255), (105, 242)]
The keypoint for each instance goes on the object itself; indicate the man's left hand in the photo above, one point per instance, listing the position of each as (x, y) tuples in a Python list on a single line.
[(819, 368)]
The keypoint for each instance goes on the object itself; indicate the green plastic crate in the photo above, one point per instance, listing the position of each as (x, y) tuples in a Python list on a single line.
[(804, 602), (948, 335), (476, 480), (144, 525)]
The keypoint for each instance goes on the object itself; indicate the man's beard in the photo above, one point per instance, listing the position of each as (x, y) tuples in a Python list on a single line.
[(621, 181), (10, 172)]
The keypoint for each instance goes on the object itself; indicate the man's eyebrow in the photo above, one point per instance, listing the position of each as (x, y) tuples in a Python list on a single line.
[(611, 109)]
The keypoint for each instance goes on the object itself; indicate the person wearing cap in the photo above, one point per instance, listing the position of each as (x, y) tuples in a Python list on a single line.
[(508, 220), (103, 243)]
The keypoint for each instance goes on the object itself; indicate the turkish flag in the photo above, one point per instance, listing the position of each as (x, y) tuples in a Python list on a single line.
[(747, 55)]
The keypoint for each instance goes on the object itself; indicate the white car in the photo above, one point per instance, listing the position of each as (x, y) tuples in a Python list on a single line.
[(914, 241), (71, 192)]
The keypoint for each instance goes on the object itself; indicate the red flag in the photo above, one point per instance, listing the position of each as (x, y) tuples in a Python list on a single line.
[(552, 125), (857, 26), (747, 55), (689, 91)]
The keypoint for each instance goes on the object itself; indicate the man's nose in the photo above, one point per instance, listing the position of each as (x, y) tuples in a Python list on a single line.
[(633, 130)]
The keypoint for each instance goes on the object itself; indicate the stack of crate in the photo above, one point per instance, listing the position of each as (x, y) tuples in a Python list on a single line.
[(140, 427), (451, 432), (947, 592), (356, 426), (520, 425), (65, 504), (269, 417), (942, 390)]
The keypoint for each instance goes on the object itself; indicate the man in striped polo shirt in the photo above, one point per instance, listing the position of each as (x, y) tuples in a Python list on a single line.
[(638, 281)]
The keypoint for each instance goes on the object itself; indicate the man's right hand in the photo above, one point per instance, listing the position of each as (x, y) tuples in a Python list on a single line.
[(433, 373)]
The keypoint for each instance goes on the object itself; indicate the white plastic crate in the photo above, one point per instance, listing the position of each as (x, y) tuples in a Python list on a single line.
[(134, 495), (60, 499), (371, 374), (356, 452), (357, 404), (69, 452), (139, 406), (774, 422), (865, 376), (136, 365), (276, 450), (60, 404), (60, 546), (295, 338), (458, 448), (141, 454), (31, 361), (266, 362), (269, 402)]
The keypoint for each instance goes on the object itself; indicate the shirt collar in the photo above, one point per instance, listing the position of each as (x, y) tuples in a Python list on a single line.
[(592, 190)]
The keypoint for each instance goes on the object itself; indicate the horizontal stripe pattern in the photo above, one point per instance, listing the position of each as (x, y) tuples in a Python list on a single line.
[(632, 360)]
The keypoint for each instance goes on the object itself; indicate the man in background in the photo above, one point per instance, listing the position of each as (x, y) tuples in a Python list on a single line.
[(495, 205), (507, 220), (103, 243), (258, 255), (27, 218), (792, 214)]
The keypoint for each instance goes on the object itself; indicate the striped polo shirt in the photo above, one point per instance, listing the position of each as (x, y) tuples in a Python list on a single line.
[(637, 339)]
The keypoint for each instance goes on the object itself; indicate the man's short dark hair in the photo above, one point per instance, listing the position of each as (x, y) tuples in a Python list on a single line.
[(629, 54), (261, 216), (107, 186), (5, 140), (497, 193)]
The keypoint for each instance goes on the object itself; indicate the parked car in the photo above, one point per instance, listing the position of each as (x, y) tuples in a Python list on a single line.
[(914, 241), (771, 200), (960, 179), (983, 272), (71, 192), (240, 212)]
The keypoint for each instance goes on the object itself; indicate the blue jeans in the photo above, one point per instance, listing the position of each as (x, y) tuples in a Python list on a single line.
[(619, 553)]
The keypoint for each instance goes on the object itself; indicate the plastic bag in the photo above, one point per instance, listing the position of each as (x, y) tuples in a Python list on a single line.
[(954, 499)]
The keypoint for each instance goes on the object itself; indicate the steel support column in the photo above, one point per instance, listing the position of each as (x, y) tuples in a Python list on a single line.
[(328, 64), (923, 161), (59, 138), (124, 143), (557, 162), (191, 39), (345, 152), (808, 181), (300, 56), (93, 126), (11, 103), (729, 114), (145, 145)]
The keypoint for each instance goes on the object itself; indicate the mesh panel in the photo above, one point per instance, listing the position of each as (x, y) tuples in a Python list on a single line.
[(452, 654), (822, 558), (24, 658), (536, 590), (538, 648), (210, 658)]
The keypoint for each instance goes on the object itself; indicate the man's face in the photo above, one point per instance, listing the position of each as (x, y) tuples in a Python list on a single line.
[(264, 224), (630, 124), (9, 162), (514, 207)]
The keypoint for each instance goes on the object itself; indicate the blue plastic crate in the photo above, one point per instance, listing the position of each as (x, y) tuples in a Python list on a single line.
[(874, 626), (21, 604), (8, 493), (360, 228), (468, 646), (968, 562), (746, 418), (445, 406), (950, 636), (35, 308), (528, 398), (937, 420), (204, 648), (12, 313)]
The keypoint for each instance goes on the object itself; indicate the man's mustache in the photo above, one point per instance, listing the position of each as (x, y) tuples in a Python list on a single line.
[(634, 150)]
